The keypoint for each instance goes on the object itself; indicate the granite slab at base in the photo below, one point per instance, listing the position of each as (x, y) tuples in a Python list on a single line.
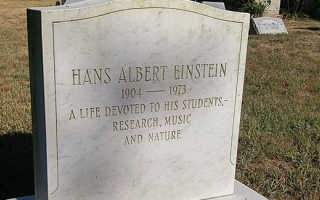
[(241, 192)]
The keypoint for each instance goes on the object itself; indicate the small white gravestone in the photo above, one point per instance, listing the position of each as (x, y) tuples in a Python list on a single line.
[(73, 1), (136, 99), (219, 5), (267, 25)]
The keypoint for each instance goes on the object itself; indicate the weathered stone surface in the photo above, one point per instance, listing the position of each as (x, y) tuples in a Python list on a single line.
[(130, 103), (267, 25)]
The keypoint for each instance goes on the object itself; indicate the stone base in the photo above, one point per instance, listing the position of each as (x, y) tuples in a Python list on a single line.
[(241, 192)]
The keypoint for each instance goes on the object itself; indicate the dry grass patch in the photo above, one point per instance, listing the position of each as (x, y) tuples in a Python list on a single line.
[(15, 114)]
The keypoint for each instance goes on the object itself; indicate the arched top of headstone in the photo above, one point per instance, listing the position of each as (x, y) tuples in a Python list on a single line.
[(117, 5)]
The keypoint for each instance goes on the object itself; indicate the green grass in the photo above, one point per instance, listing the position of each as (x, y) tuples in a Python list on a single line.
[(279, 149), (278, 153)]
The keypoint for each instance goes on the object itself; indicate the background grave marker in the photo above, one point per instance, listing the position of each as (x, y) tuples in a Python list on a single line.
[(267, 25)]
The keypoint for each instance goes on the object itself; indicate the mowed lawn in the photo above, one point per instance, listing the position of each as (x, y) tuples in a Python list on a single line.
[(279, 145)]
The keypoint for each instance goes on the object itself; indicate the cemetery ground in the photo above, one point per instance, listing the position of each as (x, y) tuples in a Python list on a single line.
[(279, 151)]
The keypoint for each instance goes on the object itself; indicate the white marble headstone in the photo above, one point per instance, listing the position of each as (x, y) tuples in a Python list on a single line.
[(73, 1), (136, 99)]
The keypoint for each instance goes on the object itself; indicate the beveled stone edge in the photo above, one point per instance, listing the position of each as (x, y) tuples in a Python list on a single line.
[(241, 192)]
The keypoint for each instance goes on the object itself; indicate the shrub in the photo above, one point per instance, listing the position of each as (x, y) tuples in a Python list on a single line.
[(293, 8), (255, 8)]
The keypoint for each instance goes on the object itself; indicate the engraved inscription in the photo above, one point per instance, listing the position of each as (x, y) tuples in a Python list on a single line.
[(132, 124), (200, 71), (164, 136), (90, 76), (137, 74), (126, 118), (150, 74)]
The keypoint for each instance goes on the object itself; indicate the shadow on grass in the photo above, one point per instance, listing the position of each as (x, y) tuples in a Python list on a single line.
[(16, 168), (311, 28)]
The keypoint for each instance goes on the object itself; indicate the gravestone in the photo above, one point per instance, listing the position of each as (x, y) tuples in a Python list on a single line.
[(273, 9), (128, 102), (73, 1), (267, 25), (219, 5)]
